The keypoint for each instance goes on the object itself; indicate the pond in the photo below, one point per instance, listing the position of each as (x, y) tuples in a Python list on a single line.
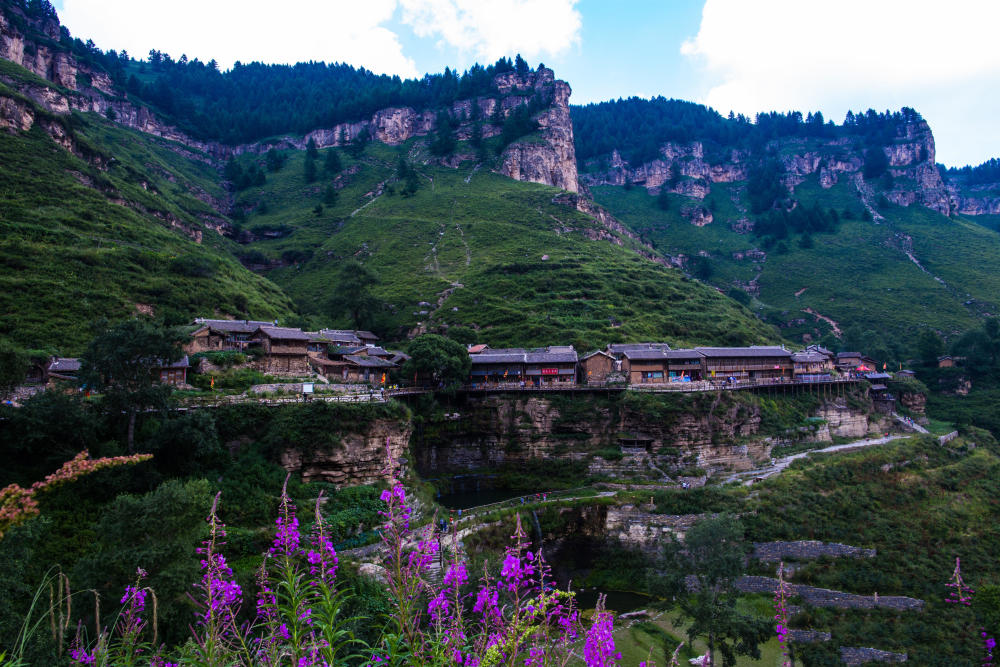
[(619, 601)]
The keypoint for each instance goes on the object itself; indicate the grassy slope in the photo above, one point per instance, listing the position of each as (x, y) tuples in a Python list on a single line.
[(858, 275), (489, 236), (69, 256)]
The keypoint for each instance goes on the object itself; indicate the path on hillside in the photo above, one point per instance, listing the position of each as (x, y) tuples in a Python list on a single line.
[(836, 328), (782, 463), (909, 423)]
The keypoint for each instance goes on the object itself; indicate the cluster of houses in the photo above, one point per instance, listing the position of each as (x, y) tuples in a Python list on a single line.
[(658, 363), (336, 354), (355, 356)]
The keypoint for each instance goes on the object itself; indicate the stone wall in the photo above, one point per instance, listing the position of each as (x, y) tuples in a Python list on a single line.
[(824, 597), (772, 552), (862, 656)]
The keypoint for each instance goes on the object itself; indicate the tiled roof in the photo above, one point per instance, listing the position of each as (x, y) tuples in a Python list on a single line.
[(594, 354), (808, 357), (547, 357), (368, 362), (339, 336), (375, 351), (494, 357), (644, 354), (180, 363), (683, 354), (65, 365), (233, 326), (285, 333), (476, 349), (848, 355), (619, 348), (366, 335), (753, 351)]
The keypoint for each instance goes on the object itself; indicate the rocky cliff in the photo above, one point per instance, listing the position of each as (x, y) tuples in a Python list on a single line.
[(360, 457), (546, 157), (686, 169), (713, 433)]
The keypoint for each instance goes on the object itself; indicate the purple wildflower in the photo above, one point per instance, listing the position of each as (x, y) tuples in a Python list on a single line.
[(599, 649)]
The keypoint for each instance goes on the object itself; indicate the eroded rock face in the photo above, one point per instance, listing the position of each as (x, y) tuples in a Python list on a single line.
[(685, 169), (497, 430), (549, 158), (914, 402), (359, 459)]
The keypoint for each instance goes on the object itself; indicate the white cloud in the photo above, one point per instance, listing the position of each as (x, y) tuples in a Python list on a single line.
[(246, 30), (489, 29), (836, 55)]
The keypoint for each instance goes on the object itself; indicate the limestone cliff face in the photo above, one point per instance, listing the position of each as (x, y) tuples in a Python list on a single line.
[(685, 169), (977, 199), (551, 161), (490, 431), (359, 459), (547, 158)]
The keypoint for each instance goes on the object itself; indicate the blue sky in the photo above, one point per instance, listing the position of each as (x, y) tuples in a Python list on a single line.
[(828, 55)]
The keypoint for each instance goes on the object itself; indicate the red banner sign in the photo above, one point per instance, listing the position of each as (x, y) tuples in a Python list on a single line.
[(550, 371)]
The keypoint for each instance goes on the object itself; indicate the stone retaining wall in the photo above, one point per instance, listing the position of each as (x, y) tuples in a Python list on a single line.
[(772, 552), (808, 636), (824, 597), (861, 656)]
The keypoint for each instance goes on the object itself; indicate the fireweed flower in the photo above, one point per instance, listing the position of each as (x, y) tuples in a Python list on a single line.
[(599, 649), (221, 595)]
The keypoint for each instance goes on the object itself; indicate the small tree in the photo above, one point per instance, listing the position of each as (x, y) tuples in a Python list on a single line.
[(700, 577), (930, 347), (121, 363), (445, 362), (14, 364), (333, 163), (352, 295), (330, 196)]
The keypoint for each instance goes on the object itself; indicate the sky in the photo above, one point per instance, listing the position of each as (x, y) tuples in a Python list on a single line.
[(808, 55)]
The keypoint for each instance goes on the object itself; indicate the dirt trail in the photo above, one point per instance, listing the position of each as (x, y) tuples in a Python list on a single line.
[(833, 325)]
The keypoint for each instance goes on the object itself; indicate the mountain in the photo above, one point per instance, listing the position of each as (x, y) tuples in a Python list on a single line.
[(464, 215), (846, 233)]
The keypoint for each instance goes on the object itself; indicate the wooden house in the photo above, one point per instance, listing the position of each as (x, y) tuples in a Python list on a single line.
[(62, 369), (222, 335), (477, 348), (617, 350), (685, 365), (366, 337), (645, 365), (493, 367), (338, 337), (285, 350), (946, 362), (808, 363), (746, 364), (363, 368), (174, 374), (848, 361), (553, 365), (596, 366)]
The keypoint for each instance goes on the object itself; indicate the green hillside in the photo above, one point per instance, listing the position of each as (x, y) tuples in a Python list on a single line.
[(484, 251), (859, 275), (79, 242)]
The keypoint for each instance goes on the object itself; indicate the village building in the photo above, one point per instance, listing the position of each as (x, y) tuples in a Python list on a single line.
[(685, 365), (363, 368), (617, 350), (338, 336), (494, 367), (174, 374), (366, 337), (222, 335), (596, 366), (553, 365), (477, 348), (746, 364), (645, 365), (285, 351), (848, 361), (810, 365), (62, 369), (905, 373), (946, 362)]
